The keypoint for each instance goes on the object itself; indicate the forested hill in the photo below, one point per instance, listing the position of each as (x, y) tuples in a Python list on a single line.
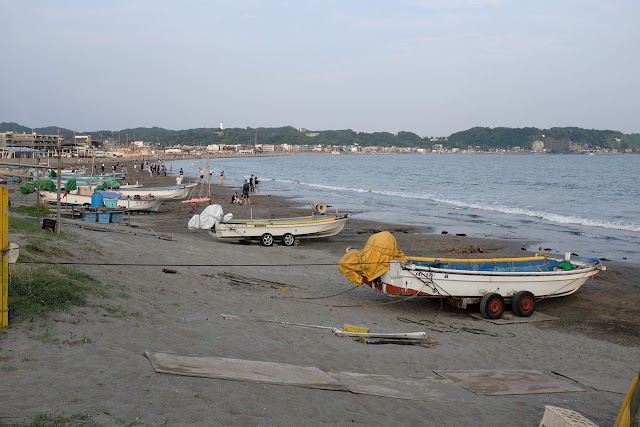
[(560, 137), (486, 138)]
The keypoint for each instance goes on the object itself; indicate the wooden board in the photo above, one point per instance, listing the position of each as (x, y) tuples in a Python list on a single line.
[(242, 370), (504, 382), (431, 388)]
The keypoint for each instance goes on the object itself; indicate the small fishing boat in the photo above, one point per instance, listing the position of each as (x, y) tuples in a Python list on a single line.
[(492, 282), (131, 203), (284, 229), (287, 230), (170, 192)]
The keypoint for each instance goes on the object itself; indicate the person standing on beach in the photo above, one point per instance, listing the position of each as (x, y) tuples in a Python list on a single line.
[(256, 182), (246, 193), (222, 177), (102, 167), (251, 185)]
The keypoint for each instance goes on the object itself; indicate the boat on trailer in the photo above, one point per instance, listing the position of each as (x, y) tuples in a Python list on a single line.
[(491, 282), (285, 229)]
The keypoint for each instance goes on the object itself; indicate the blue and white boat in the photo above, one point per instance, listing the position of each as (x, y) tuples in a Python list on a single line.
[(492, 282)]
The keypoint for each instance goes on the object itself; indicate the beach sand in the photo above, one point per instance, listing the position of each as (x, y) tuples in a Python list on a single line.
[(93, 361)]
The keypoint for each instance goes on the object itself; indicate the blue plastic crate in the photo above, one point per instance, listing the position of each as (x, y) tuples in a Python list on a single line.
[(104, 217), (89, 216), (117, 216)]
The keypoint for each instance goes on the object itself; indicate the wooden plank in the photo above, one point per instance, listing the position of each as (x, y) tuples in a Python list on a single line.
[(504, 382), (243, 370)]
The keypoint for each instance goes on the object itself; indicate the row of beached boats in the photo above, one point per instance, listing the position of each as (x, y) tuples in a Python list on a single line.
[(133, 197), (493, 283)]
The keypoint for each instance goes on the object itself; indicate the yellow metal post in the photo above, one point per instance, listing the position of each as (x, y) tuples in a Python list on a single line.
[(4, 270)]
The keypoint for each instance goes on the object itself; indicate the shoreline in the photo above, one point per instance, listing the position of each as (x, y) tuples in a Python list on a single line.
[(168, 295)]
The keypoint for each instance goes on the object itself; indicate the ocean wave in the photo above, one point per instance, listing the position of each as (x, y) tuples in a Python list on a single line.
[(547, 216), (460, 204)]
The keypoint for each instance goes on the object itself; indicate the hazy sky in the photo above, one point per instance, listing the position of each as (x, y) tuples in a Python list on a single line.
[(432, 67)]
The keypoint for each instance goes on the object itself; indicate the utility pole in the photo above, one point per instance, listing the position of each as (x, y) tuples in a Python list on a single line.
[(59, 184)]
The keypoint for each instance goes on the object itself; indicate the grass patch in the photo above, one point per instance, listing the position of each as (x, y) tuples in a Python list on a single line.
[(39, 244), (25, 226), (36, 291), (30, 210), (49, 420)]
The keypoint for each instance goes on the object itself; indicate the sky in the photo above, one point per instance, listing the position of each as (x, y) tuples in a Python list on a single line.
[(432, 67)]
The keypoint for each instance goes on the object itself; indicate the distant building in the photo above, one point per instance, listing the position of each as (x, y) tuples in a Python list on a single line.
[(137, 143), (30, 140), (173, 151)]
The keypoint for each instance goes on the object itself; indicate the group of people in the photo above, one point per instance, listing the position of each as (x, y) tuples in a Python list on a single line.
[(248, 187)]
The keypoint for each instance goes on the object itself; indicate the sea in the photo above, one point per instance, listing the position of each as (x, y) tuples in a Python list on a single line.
[(584, 204)]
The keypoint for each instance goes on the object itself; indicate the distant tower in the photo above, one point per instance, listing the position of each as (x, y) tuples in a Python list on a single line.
[(221, 126)]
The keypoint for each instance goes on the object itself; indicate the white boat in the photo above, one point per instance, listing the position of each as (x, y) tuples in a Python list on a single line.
[(164, 193), (131, 203), (493, 282), (284, 229)]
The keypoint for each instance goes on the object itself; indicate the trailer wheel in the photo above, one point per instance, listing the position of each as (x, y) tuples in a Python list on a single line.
[(492, 306), (266, 239), (288, 239), (523, 304)]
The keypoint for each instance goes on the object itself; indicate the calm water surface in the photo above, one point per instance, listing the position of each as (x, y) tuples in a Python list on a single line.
[(577, 203)]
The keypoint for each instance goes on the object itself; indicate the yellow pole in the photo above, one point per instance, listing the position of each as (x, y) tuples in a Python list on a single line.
[(4, 270)]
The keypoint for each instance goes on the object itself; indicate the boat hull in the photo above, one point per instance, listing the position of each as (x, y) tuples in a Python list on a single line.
[(146, 205), (410, 279), (306, 227), (165, 193)]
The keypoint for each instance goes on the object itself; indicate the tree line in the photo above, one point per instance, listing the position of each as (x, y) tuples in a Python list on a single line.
[(483, 137)]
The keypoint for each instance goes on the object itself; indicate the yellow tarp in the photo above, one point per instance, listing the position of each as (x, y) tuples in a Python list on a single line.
[(629, 415), (373, 260)]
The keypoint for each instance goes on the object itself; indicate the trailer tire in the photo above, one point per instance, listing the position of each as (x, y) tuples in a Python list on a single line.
[(492, 306), (266, 239), (523, 304), (288, 239)]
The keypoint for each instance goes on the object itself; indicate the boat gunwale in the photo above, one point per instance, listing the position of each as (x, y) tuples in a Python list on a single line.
[(578, 270), (284, 221)]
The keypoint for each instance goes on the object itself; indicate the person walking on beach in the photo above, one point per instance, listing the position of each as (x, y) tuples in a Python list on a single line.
[(222, 177), (256, 182), (251, 185), (102, 167), (246, 191)]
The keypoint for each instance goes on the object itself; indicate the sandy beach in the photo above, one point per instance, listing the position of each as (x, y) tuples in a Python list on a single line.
[(96, 364)]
